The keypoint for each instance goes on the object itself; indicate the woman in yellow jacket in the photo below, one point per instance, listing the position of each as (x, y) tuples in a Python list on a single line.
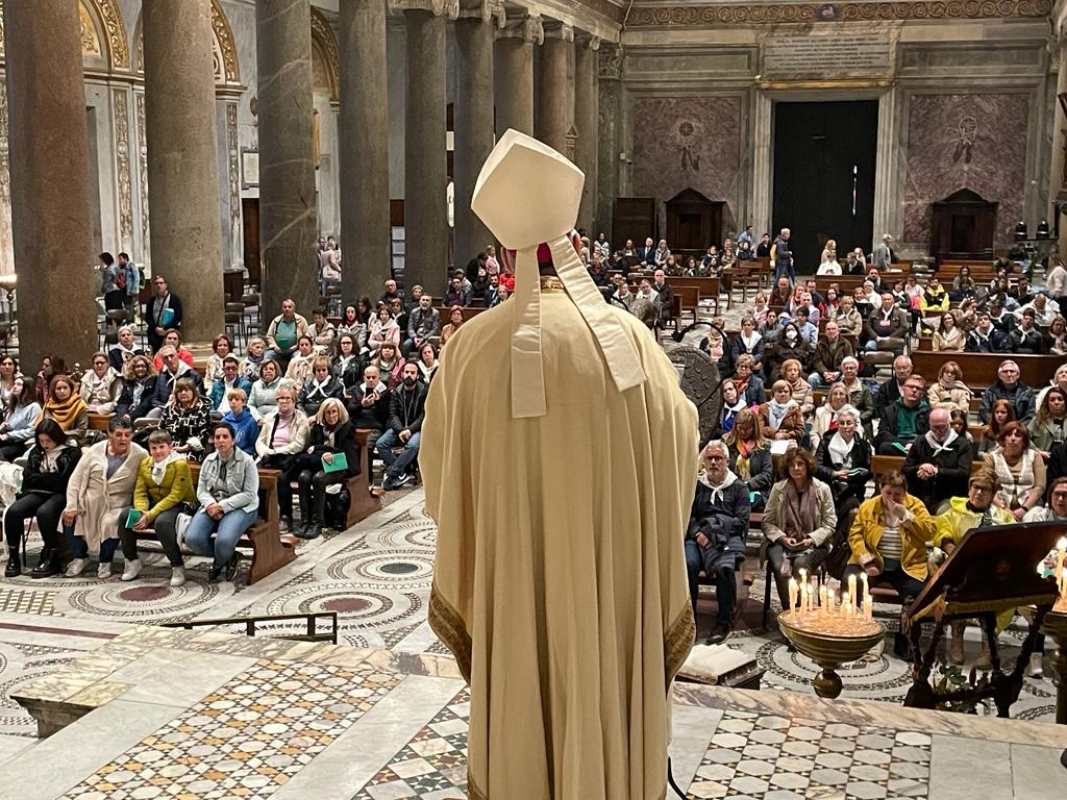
[(164, 490), (888, 539)]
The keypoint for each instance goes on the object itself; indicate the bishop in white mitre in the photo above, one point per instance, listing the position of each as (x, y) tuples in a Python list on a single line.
[(559, 457)]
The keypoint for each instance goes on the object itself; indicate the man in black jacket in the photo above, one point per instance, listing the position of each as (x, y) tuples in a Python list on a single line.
[(986, 337), (938, 465), (890, 391), (161, 313), (369, 408), (406, 411)]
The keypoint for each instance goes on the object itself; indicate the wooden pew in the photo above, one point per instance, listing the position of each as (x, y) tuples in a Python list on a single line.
[(883, 465), (708, 287), (269, 551), (980, 369), (99, 422), (687, 296), (469, 312), (361, 503)]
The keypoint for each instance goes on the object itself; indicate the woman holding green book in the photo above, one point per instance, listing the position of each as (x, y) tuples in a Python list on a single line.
[(331, 456)]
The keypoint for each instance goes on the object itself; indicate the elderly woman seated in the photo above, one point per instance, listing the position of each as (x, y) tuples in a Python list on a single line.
[(138, 387), (798, 521), (262, 400), (99, 495), (715, 539), (282, 438), (320, 387), (843, 462), (228, 492), (780, 416), (164, 489), (100, 386), (330, 437), (187, 418)]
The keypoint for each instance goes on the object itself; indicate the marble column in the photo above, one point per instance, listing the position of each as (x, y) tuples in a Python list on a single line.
[(183, 172), (287, 203), (49, 156), (1058, 169), (425, 143), (364, 151), (514, 76), (473, 119), (586, 117), (608, 144), (555, 91)]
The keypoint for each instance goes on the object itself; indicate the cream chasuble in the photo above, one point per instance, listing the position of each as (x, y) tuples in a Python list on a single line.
[(559, 456)]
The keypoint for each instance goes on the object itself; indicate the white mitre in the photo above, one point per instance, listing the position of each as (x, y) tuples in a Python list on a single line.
[(526, 194)]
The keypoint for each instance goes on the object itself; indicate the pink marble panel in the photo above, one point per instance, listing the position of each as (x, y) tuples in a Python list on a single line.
[(687, 143), (965, 141)]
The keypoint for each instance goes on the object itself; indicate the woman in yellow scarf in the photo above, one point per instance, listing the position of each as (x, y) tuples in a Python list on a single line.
[(66, 407)]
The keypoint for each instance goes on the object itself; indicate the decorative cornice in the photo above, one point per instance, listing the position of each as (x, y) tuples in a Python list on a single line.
[(560, 30), (439, 8), (486, 11), (528, 27), (748, 14)]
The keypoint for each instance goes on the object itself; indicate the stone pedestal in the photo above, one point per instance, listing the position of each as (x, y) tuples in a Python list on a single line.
[(514, 76), (183, 175), (49, 157), (473, 120), (586, 113), (555, 99), (364, 136), (425, 153), (287, 202)]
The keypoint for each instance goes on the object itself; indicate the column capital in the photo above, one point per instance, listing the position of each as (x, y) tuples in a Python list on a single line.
[(439, 8), (485, 10), (559, 30), (529, 28), (588, 41), (611, 62)]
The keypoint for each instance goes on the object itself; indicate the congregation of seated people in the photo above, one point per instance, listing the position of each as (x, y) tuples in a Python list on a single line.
[(292, 403), (818, 383)]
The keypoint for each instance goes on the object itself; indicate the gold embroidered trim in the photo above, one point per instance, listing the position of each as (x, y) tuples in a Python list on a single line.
[(550, 283), (678, 642), (451, 629)]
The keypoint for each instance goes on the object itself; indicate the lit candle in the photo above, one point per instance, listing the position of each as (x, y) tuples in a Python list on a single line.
[(794, 590), (868, 608), (866, 589), (845, 604), (822, 599)]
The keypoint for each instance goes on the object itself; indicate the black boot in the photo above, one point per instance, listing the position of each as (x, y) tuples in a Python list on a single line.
[(48, 565), (14, 564), (305, 508)]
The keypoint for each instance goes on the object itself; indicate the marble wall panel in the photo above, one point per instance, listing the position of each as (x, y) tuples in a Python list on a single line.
[(972, 141), (688, 143)]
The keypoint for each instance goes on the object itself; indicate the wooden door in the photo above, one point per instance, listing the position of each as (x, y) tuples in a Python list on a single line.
[(635, 218), (250, 215)]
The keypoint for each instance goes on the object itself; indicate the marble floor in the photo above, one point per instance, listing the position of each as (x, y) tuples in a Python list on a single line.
[(376, 577)]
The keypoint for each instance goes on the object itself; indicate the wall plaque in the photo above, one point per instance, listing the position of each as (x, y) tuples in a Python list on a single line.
[(825, 53)]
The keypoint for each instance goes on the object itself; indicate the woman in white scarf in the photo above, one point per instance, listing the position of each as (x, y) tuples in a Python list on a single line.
[(826, 414), (749, 342), (100, 387), (427, 362), (843, 461), (781, 414)]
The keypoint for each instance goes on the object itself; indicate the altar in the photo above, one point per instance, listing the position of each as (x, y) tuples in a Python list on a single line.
[(171, 713)]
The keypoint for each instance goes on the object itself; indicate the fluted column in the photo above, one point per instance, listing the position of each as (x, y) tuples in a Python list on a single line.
[(1058, 169), (364, 135), (287, 201), (586, 113), (183, 174), (473, 118), (514, 76), (49, 161), (555, 91), (425, 153)]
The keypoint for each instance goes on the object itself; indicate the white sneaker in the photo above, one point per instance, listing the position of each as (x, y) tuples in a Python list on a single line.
[(103, 570), (76, 567), (177, 576), (1037, 669), (132, 570)]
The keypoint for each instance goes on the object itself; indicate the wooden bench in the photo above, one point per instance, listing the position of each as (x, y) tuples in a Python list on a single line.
[(883, 465), (270, 552), (469, 312), (980, 369), (361, 502)]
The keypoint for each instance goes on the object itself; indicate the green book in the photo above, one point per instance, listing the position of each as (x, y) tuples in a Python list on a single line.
[(133, 517), (339, 463)]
